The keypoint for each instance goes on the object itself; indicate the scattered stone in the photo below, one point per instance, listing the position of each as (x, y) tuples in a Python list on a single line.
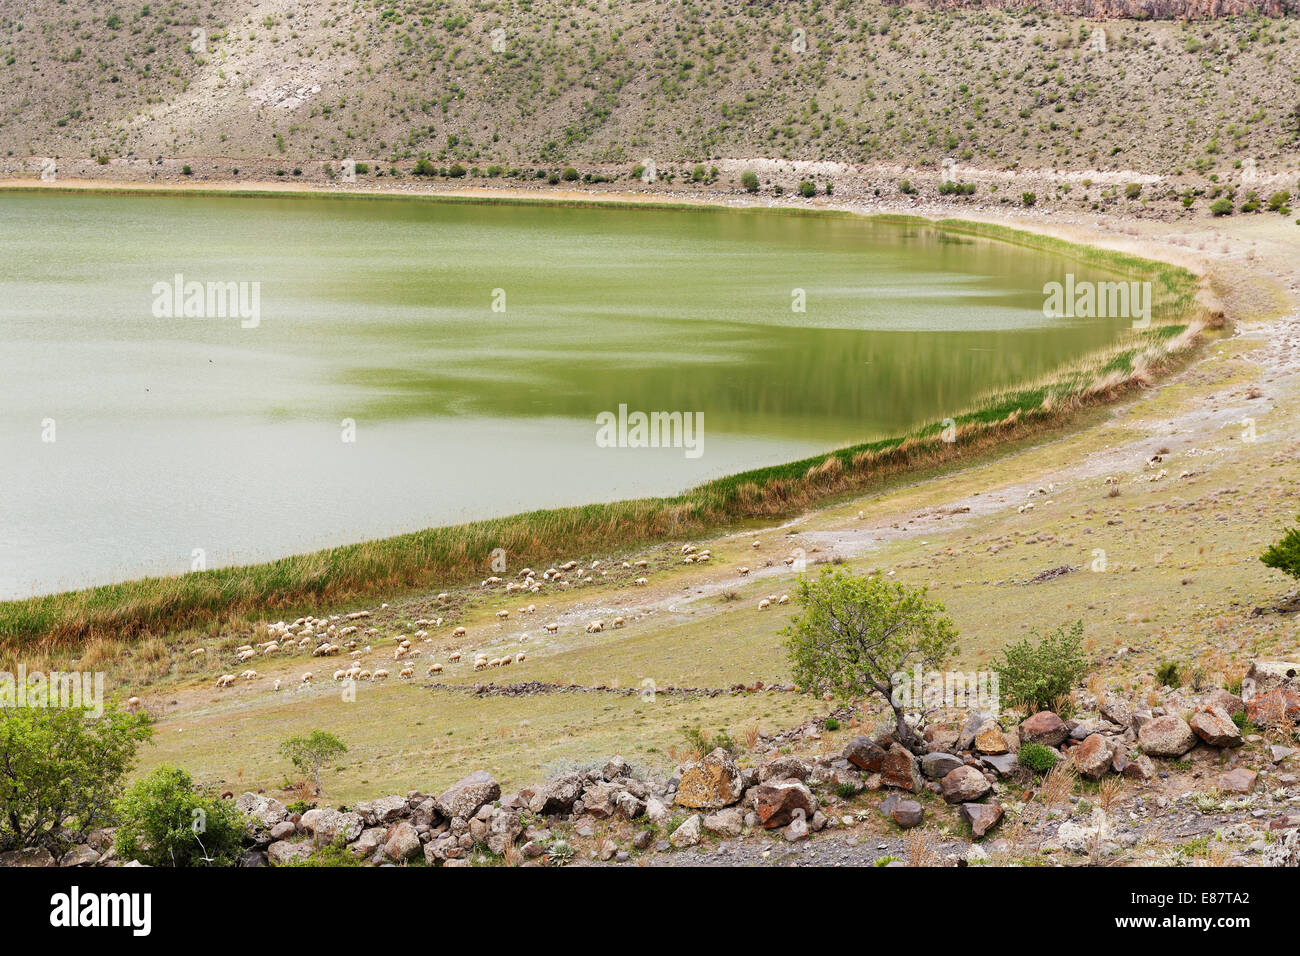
[(283, 851), (558, 794), (900, 769), (688, 834), (990, 739), (1240, 780), (712, 783), (1092, 758), (1004, 765), (784, 768), (1167, 736), (326, 825), (728, 823), (1117, 710), (1044, 728), (865, 753), (936, 765), (964, 785), (777, 801), (982, 817), (80, 855), (797, 829), (403, 843), (463, 798), (907, 813), (1213, 725)]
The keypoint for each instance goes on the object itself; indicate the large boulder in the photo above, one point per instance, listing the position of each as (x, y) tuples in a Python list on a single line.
[(1117, 710), (616, 766), (936, 765), (1213, 725), (1265, 676), (463, 798), (326, 826), (990, 739), (265, 812), (80, 855), (966, 738), (1092, 757), (282, 851), (776, 801), (901, 769), (1044, 728), (558, 794), (383, 811), (712, 783), (964, 785), (784, 768), (1225, 699), (865, 753), (982, 817), (1240, 780), (1274, 708), (402, 842), (906, 813), (32, 856), (503, 829), (1004, 765), (1167, 736), (726, 823)]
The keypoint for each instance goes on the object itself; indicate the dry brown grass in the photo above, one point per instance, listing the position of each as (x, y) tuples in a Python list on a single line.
[(921, 847)]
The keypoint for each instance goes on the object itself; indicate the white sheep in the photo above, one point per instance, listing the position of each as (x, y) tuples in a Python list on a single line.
[(340, 674), (783, 599), (742, 571), (595, 626), (306, 678), (454, 656), (642, 581), (225, 680), (379, 674), (520, 656), (503, 614), (459, 632), (406, 672), (764, 604), (551, 628), (133, 704), (619, 622), (435, 669), (249, 675), (277, 683)]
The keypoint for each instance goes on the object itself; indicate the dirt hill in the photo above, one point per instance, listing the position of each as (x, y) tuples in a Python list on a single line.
[(545, 83)]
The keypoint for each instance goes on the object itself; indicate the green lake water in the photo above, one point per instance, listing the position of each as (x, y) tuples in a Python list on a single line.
[(466, 349)]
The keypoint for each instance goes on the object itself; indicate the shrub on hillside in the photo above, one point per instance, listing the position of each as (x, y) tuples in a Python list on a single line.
[(163, 821), (1032, 675), (749, 180), (1221, 207), (1037, 758), (1284, 554)]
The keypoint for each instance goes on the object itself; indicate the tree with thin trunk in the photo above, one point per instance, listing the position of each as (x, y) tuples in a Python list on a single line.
[(309, 754), (858, 636)]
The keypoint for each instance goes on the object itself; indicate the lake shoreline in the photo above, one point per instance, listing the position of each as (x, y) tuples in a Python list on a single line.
[(441, 556)]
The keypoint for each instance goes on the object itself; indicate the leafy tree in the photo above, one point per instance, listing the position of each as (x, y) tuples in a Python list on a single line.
[(61, 767), (163, 821), (309, 754), (1284, 555), (1034, 675), (859, 635)]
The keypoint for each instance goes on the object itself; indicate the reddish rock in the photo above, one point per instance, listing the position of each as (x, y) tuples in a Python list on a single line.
[(982, 817), (1092, 757), (1043, 728), (1213, 725), (963, 785), (776, 801), (712, 783), (1274, 708), (1240, 780), (900, 769), (990, 739), (865, 753)]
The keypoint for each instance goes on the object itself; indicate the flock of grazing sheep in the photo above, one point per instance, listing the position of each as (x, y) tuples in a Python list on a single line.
[(332, 636)]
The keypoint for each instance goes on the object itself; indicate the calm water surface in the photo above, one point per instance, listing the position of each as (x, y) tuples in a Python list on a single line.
[(177, 435)]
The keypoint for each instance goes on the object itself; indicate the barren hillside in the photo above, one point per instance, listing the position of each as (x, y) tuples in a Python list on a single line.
[(547, 83)]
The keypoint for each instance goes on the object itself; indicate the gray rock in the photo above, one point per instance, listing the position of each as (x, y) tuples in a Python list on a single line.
[(559, 794), (326, 825), (265, 811), (964, 785), (383, 811), (1004, 765), (464, 797), (1167, 736), (688, 834), (283, 851), (938, 765), (80, 855), (728, 823), (402, 842), (616, 767)]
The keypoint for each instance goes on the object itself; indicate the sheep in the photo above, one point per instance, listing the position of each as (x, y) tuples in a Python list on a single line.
[(454, 656), (363, 675), (401, 652), (756, 544), (689, 559), (277, 684), (243, 647), (133, 704), (743, 571), (506, 660), (531, 609), (340, 674), (406, 672), (198, 651), (503, 614), (443, 596), (783, 599), (421, 635), (270, 648), (688, 549), (568, 565), (619, 622), (764, 604), (459, 632), (306, 678), (434, 669), (225, 680), (246, 655), (703, 558), (551, 628), (249, 675), (525, 573), (642, 582), (595, 626), (627, 565), (380, 673), (495, 662), (480, 663)]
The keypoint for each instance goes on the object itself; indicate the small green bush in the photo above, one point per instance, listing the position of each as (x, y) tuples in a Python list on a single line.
[(700, 741), (1167, 675), (1037, 758), (1221, 207), (455, 170), (570, 174), (1034, 675), (163, 821), (749, 180), (906, 188), (1132, 190), (1028, 199), (831, 724), (1284, 554), (807, 190)]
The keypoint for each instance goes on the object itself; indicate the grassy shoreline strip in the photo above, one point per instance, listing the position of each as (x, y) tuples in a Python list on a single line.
[(443, 557)]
